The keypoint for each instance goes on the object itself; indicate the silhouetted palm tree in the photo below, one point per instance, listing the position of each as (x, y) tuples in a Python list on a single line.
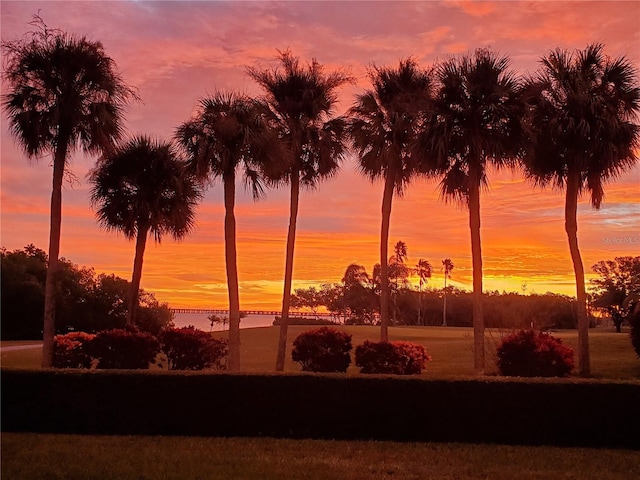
[(229, 132), (141, 188), (398, 270), (63, 92), (476, 121), (302, 99), (383, 125), (583, 109), (447, 268), (423, 270)]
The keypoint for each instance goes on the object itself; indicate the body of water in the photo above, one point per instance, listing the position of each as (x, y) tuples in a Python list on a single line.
[(201, 322)]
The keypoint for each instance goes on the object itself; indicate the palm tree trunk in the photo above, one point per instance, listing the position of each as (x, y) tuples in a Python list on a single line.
[(49, 327), (476, 257), (288, 270), (134, 287), (387, 197), (232, 271), (420, 302), (571, 227), (444, 307)]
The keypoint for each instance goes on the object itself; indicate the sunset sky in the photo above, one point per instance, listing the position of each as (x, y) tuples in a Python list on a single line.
[(176, 52)]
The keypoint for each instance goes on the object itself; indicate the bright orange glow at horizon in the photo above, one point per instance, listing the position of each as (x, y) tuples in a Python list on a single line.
[(176, 52)]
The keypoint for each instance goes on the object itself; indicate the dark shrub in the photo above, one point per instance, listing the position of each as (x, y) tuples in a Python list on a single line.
[(188, 348), (397, 358), (322, 350), (70, 350), (414, 357), (534, 354), (120, 348)]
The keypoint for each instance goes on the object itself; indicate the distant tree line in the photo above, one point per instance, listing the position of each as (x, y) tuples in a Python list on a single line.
[(357, 302), (87, 302)]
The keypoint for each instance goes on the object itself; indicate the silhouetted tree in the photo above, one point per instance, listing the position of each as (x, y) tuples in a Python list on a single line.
[(359, 295), (310, 298), (229, 132), (447, 268), (383, 125), (616, 288), (423, 270), (141, 188), (62, 92), (86, 302), (476, 121), (301, 99), (583, 107)]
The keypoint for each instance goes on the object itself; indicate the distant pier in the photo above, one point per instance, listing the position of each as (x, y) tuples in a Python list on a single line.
[(208, 311)]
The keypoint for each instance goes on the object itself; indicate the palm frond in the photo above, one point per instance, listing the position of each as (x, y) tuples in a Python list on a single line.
[(584, 119), (141, 185)]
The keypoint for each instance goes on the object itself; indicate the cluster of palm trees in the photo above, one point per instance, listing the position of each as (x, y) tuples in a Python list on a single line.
[(572, 124)]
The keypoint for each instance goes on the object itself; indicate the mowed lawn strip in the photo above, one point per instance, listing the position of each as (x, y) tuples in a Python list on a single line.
[(450, 348), (29, 456)]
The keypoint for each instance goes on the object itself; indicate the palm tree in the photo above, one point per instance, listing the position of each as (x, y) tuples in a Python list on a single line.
[(63, 92), (383, 125), (302, 100), (583, 107), (229, 132), (447, 268), (423, 270), (141, 188), (475, 121)]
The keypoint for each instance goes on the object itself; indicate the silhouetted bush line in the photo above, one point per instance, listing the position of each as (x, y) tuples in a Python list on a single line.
[(185, 348), (306, 321), (514, 411)]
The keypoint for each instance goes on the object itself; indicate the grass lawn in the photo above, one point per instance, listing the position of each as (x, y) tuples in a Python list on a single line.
[(35, 456)]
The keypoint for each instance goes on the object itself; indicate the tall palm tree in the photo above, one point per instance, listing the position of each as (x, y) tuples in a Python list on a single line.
[(475, 122), (383, 125), (229, 132), (583, 111), (423, 270), (447, 268), (63, 92), (302, 99), (398, 270), (141, 188)]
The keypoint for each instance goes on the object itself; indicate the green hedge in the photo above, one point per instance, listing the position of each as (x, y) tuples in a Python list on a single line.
[(514, 411)]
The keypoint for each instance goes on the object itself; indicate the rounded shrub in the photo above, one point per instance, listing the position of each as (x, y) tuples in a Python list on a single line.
[(527, 353), (122, 348), (70, 350), (396, 358), (322, 350), (188, 348)]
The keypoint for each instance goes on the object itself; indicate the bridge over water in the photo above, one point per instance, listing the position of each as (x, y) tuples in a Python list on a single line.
[(208, 311)]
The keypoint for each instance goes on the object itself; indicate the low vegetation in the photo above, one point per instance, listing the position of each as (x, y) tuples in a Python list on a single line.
[(179, 349), (450, 349), (396, 358), (527, 353), (322, 350)]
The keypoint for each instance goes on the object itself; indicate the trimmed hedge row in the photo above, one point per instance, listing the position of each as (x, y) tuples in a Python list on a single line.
[(548, 412)]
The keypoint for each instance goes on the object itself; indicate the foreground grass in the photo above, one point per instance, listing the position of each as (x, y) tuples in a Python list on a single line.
[(451, 350), (30, 456)]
